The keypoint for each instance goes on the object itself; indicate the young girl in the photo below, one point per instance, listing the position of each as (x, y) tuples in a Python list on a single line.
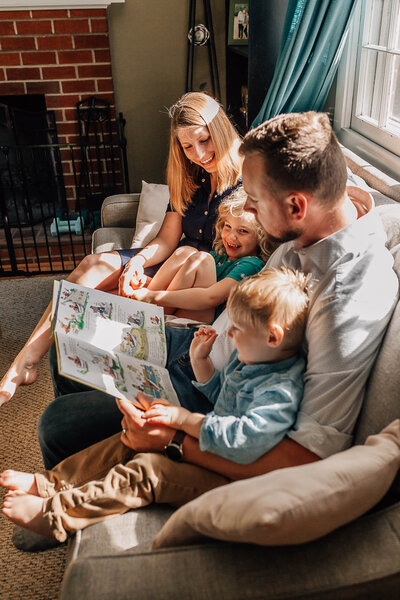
[(195, 284)]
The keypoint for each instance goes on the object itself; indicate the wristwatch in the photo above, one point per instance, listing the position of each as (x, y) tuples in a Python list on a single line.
[(174, 449)]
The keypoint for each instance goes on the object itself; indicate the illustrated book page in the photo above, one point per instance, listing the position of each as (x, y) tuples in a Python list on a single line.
[(111, 343)]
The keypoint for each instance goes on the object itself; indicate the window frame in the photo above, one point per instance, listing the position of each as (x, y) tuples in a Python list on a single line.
[(360, 142)]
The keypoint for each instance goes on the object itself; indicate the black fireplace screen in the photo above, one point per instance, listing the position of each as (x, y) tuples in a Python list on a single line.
[(44, 227), (30, 166)]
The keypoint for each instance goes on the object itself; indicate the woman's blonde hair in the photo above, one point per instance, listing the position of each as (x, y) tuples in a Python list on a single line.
[(234, 205), (273, 295), (197, 109)]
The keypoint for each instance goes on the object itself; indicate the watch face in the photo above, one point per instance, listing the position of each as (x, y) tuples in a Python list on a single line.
[(174, 452)]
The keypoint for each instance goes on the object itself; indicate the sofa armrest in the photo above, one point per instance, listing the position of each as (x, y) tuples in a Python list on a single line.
[(120, 210), (107, 239)]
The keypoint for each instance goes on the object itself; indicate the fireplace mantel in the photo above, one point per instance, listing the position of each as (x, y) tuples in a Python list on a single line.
[(54, 4)]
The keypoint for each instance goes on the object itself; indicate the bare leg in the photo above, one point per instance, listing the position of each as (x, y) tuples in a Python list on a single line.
[(27, 511), (17, 480), (100, 271), (197, 271), (166, 273)]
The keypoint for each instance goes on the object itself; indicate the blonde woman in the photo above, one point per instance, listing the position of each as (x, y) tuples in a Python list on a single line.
[(203, 167)]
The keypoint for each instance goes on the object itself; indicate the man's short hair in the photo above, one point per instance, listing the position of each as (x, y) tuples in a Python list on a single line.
[(301, 153), (272, 295)]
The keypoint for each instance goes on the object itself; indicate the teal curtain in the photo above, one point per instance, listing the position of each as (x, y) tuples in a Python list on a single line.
[(314, 34)]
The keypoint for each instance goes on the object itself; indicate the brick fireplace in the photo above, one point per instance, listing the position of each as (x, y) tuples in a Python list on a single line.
[(57, 50), (61, 53)]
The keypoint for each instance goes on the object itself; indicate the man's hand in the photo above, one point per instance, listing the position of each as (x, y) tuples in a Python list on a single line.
[(202, 343), (137, 433), (132, 277)]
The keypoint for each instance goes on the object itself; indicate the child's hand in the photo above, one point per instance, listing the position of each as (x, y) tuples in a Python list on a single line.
[(202, 343), (137, 283), (144, 295), (144, 400), (163, 414), (131, 277), (162, 401)]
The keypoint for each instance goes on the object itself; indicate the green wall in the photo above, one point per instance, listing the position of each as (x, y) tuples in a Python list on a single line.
[(148, 40)]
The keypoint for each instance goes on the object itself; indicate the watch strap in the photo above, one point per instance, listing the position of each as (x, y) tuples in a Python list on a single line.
[(173, 449), (178, 438)]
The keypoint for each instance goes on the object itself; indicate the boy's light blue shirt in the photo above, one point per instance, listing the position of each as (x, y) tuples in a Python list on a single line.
[(254, 407)]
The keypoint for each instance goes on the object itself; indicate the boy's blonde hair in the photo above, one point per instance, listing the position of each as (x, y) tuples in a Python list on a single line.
[(272, 296), (234, 205), (197, 109)]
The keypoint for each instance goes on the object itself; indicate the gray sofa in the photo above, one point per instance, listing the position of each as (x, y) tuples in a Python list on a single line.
[(359, 560)]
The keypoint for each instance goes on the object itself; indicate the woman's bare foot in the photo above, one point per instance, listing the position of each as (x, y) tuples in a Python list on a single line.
[(27, 511), (17, 480), (21, 372)]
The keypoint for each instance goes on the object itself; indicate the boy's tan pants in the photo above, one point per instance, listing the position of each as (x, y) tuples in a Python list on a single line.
[(108, 478)]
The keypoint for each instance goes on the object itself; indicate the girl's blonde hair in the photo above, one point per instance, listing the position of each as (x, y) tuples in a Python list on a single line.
[(273, 295), (234, 205), (197, 109)]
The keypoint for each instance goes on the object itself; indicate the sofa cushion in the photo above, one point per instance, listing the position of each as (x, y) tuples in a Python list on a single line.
[(382, 398), (133, 530), (358, 561), (292, 505), (390, 217), (153, 203)]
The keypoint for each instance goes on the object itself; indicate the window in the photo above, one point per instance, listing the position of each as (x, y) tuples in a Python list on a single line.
[(367, 111)]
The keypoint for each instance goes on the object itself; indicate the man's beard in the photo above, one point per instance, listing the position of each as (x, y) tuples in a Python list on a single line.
[(288, 236)]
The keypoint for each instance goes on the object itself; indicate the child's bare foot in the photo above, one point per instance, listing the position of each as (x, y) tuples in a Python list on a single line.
[(21, 372), (17, 480), (27, 511)]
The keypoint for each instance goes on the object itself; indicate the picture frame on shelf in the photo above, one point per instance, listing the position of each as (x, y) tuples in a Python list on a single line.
[(238, 26)]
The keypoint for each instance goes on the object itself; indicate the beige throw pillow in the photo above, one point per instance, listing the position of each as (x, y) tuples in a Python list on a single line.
[(293, 505), (153, 203)]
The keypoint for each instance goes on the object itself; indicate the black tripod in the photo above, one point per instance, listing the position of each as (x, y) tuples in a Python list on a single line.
[(201, 35)]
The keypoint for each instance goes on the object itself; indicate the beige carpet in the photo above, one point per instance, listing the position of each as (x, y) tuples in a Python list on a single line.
[(23, 575)]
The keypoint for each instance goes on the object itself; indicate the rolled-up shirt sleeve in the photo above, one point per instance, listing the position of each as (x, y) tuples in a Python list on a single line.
[(210, 388)]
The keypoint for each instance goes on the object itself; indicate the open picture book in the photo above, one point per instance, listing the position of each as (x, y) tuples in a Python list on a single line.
[(111, 343)]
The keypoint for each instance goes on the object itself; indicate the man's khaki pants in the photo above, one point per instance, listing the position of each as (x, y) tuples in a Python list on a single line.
[(108, 478)]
